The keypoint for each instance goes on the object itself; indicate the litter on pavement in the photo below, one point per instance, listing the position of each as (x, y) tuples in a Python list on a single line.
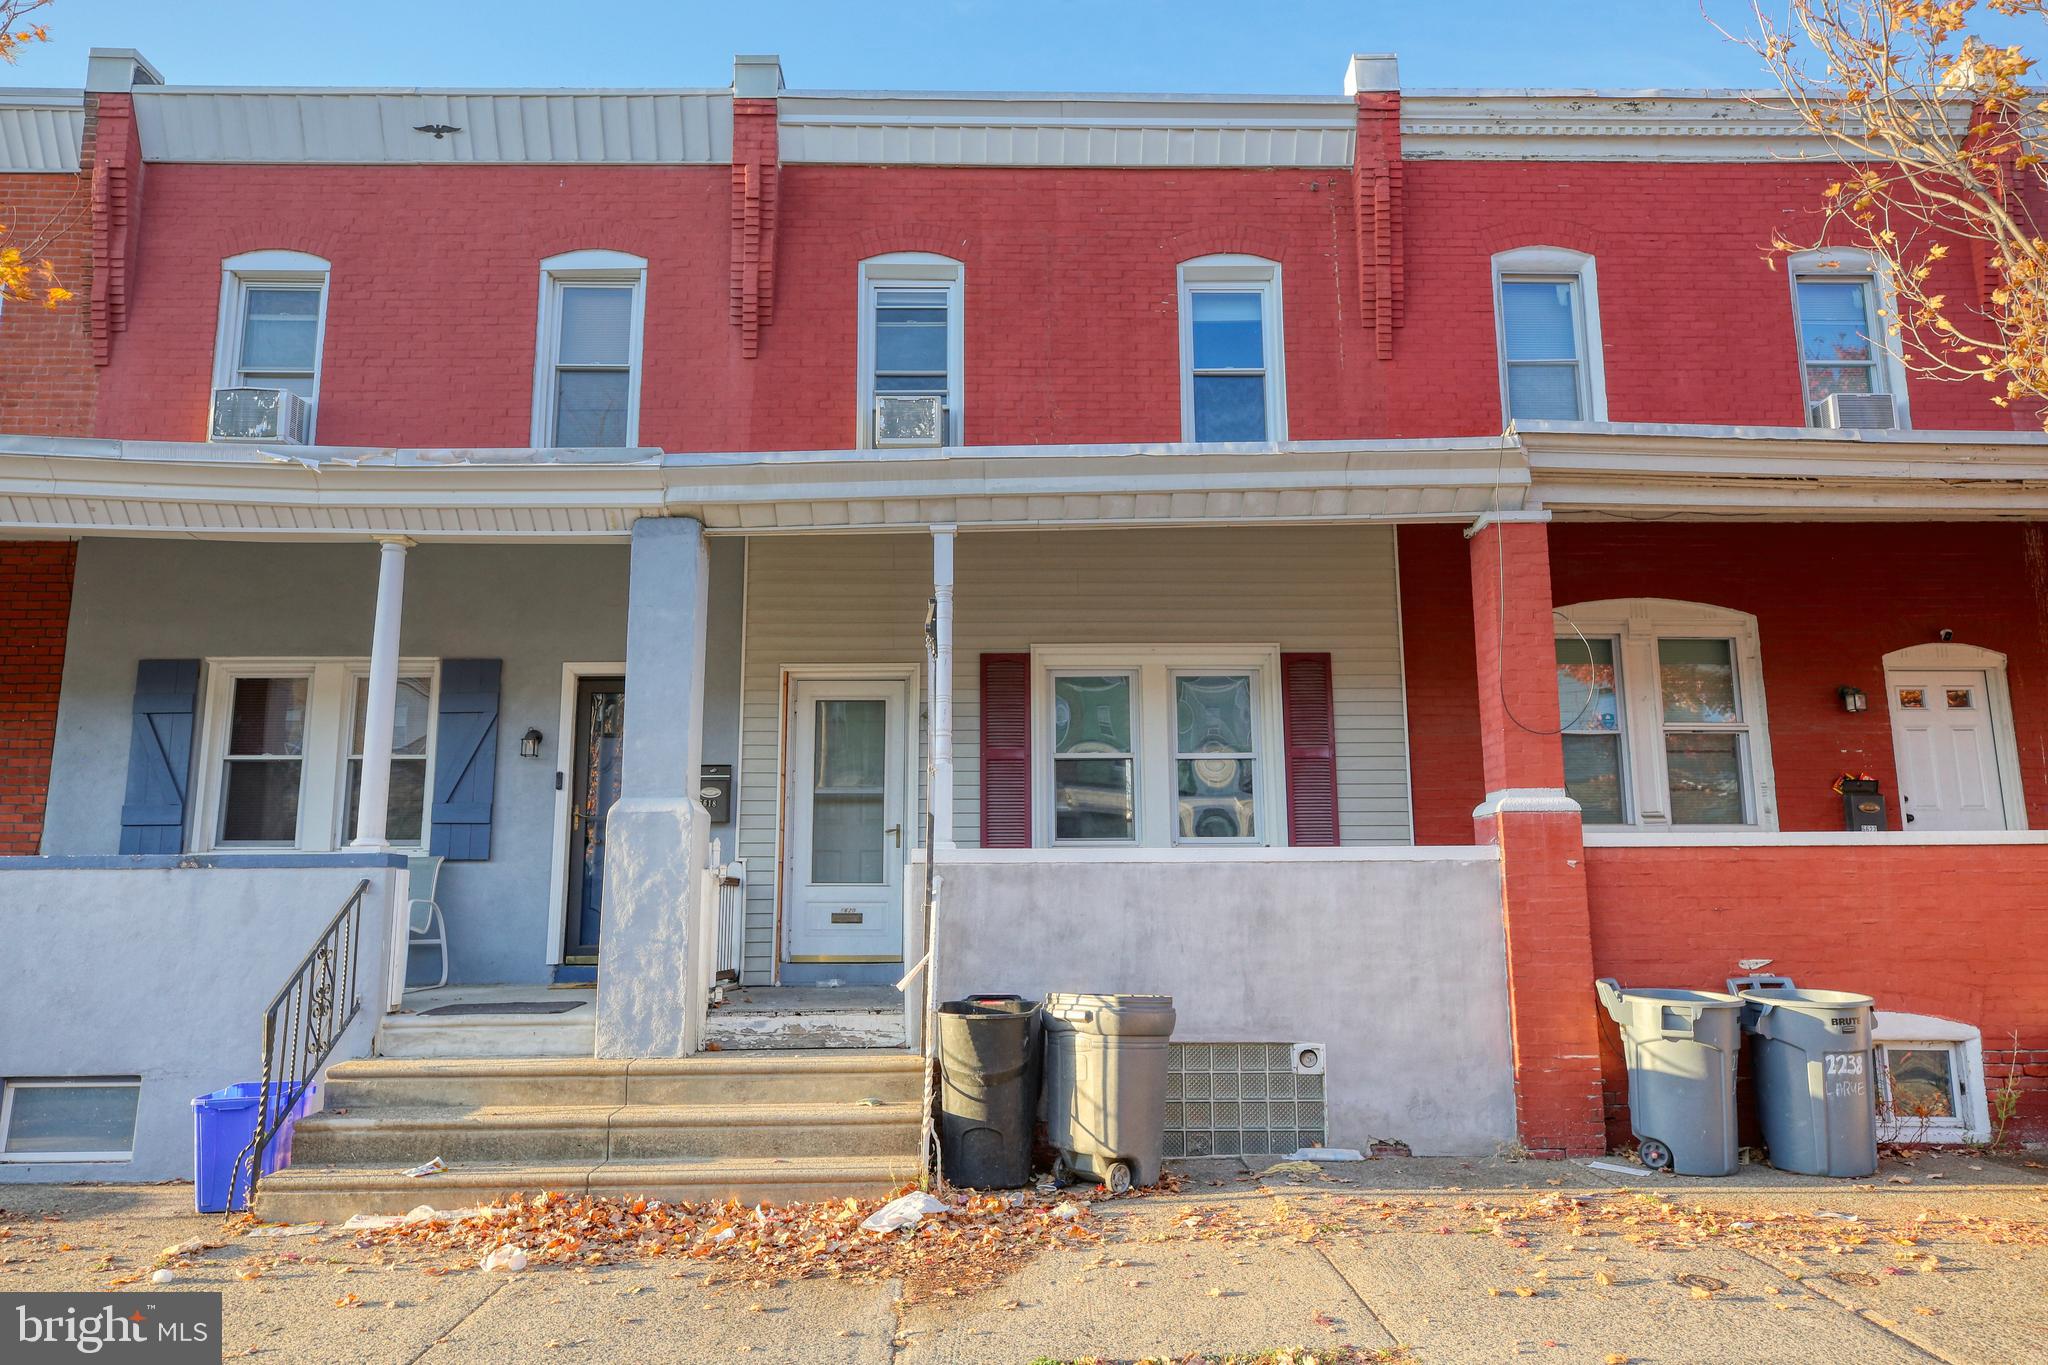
[(904, 1212), (504, 1258)]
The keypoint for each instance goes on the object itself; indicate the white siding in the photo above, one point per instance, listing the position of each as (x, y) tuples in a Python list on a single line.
[(813, 600), (861, 599)]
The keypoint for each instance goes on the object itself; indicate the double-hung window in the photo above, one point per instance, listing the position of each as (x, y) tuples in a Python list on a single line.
[(912, 346), (1233, 385), (1660, 705), (282, 746), (1157, 747), (405, 811), (273, 319), (587, 378), (1839, 305), (1547, 314)]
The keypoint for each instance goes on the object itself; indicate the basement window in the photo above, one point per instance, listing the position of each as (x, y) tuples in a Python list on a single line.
[(1930, 1080), (82, 1118)]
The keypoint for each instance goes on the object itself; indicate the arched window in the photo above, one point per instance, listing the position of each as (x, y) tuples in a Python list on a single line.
[(586, 382), (1546, 306), (273, 319), (912, 345), (1233, 380), (1662, 708), (1843, 306)]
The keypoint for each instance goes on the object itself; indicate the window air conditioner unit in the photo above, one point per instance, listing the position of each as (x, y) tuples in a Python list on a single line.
[(910, 419), (1856, 412), (277, 415)]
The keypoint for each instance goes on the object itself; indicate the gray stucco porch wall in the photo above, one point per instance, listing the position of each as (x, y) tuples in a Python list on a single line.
[(1395, 960), (533, 606), (145, 969)]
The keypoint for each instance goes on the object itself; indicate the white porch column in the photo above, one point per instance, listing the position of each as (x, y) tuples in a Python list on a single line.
[(373, 801), (941, 795), (650, 998)]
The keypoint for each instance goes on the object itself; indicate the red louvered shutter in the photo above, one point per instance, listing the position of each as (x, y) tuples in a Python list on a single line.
[(1308, 717), (1006, 751)]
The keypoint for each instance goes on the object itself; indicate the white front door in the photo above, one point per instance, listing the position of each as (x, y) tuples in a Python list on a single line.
[(848, 827), (1947, 751)]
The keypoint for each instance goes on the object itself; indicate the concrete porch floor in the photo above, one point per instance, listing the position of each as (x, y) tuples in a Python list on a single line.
[(489, 1021), (808, 1017)]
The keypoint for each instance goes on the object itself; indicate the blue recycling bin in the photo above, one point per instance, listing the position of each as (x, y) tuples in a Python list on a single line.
[(223, 1122)]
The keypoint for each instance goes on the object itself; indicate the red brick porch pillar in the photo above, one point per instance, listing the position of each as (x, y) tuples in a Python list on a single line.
[(1526, 812)]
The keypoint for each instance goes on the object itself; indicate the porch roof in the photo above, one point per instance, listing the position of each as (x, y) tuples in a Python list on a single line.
[(72, 487)]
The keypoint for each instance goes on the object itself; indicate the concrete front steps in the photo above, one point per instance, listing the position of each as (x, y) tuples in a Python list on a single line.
[(774, 1127)]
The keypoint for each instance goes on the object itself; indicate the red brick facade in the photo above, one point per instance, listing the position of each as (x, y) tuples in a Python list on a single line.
[(35, 609), (1955, 932), (1543, 879), (1071, 308), (46, 353), (1948, 931)]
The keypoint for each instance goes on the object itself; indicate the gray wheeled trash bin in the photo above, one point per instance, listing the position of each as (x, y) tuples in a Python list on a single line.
[(1681, 1048), (986, 1110), (1813, 1093), (1105, 1085)]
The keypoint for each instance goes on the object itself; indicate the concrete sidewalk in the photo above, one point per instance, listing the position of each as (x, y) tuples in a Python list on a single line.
[(1943, 1258)]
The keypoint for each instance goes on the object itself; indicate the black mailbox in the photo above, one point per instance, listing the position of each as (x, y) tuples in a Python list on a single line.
[(714, 789), (1862, 804)]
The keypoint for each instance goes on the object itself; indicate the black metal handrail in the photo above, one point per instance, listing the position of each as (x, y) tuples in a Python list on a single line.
[(304, 1022)]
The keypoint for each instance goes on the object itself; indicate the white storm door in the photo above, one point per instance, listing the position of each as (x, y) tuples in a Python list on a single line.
[(1947, 751), (848, 826)]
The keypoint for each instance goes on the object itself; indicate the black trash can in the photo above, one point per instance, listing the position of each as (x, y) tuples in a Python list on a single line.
[(986, 1108), (1034, 1055)]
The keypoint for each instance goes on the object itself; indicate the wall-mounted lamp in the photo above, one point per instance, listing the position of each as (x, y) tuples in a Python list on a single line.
[(1853, 699), (529, 744)]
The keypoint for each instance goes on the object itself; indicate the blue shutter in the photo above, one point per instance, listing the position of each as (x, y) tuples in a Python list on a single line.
[(159, 756), (466, 759)]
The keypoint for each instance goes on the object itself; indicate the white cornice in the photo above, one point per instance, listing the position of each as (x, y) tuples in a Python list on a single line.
[(1620, 469), (479, 127), (40, 131), (371, 126), (100, 487), (239, 494)]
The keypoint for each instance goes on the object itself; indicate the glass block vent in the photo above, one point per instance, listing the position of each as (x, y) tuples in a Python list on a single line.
[(1240, 1099)]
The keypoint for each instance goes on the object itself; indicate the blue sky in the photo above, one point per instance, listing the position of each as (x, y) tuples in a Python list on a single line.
[(1192, 46)]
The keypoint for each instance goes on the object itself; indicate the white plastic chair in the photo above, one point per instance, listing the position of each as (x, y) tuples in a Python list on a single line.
[(425, 925)]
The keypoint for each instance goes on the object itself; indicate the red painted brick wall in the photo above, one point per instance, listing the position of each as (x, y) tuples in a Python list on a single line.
[(1543, 880), (46, 354), (35, 609), (1830, 602), (1955, 932), (1071, 328)]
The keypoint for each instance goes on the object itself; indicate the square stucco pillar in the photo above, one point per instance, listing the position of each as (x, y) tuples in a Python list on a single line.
[(1528, 815), (648, 1004)]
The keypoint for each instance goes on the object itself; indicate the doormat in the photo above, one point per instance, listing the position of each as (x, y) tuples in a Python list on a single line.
[(510, 1007)]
